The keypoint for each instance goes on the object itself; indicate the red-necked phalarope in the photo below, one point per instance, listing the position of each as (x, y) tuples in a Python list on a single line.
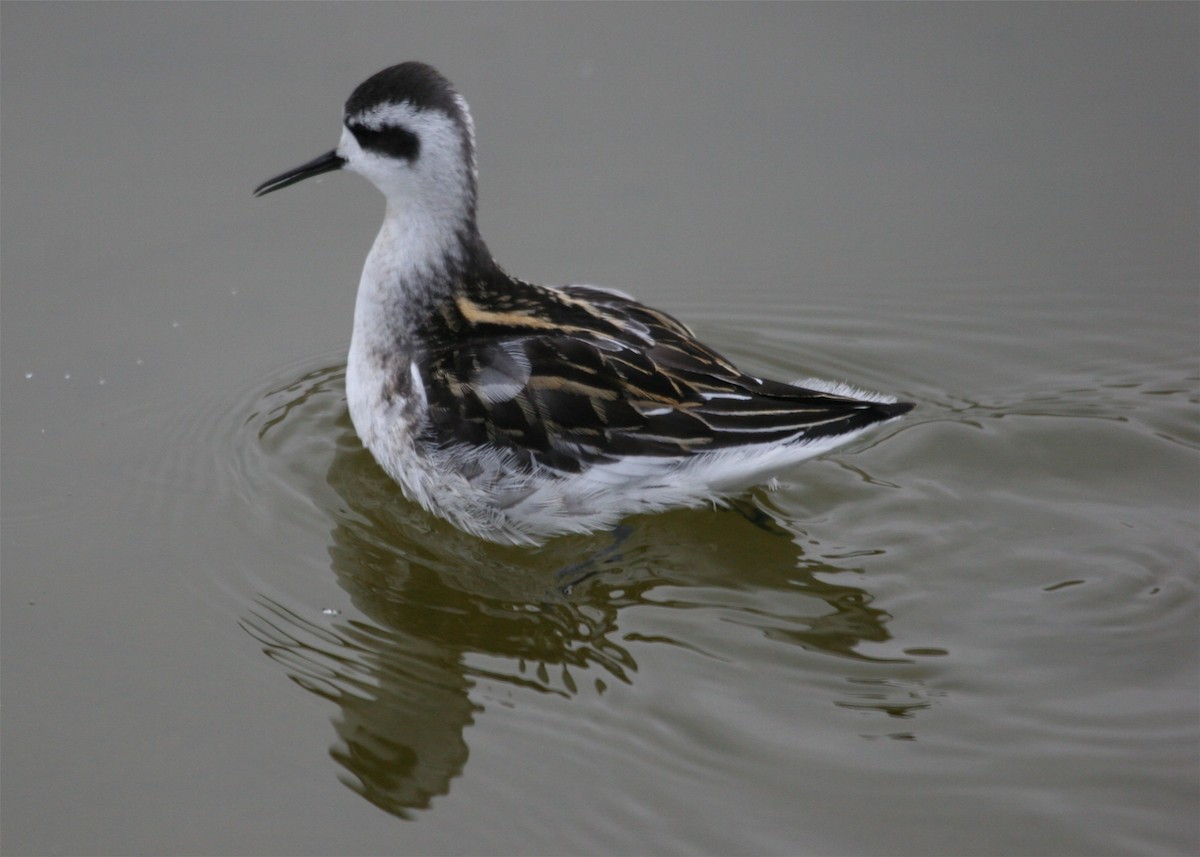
[(518, 411)]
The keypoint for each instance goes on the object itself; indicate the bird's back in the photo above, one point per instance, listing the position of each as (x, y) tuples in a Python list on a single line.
[(567, 379)]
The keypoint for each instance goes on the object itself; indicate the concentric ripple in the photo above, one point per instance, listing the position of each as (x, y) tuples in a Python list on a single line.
[(413, 628)]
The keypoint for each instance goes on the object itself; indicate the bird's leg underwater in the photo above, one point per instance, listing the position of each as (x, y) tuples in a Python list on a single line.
[(752, 512), (576, 573)]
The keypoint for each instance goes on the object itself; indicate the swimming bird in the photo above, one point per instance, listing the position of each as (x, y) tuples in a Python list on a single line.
[(520, 411)]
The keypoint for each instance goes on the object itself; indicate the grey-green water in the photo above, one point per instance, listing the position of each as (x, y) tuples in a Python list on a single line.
[(973, 632)]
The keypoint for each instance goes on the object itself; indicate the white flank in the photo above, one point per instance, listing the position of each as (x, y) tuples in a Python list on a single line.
[(841, 388)]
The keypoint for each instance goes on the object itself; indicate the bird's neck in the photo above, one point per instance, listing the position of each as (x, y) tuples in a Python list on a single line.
[(417, 259)]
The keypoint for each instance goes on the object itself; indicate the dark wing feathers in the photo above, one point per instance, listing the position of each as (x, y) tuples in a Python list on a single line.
[(573, 377)]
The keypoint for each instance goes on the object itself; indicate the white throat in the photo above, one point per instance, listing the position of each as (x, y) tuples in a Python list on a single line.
[(430, 199), (430, 211)]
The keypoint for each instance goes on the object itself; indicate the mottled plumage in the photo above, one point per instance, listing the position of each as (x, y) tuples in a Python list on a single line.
[(520, 411)]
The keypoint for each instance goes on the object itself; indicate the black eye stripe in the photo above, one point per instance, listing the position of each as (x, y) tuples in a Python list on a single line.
[(391, 140)]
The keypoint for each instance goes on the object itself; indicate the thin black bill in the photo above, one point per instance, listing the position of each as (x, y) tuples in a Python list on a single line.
[(331, 160)]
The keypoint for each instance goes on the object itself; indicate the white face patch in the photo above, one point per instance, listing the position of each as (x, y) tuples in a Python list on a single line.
[(380, 116), (431, 197)]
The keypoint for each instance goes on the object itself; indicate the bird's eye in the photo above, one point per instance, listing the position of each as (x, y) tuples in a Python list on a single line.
[(390, 140)]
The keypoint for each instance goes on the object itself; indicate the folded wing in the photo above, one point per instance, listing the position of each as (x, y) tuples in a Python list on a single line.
[(568, 378)]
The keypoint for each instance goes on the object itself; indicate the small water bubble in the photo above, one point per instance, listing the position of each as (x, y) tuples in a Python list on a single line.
[(138, 361), (66, 376), (102, 382), (233, 292), (28, 375), (331, 611), (174, 324)]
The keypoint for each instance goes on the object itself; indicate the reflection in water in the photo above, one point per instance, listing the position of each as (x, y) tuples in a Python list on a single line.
[(446, 612)]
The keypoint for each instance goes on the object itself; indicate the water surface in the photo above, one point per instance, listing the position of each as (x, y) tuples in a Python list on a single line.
[(973, 631)]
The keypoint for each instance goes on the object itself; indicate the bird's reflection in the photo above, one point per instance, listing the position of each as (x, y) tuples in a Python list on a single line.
[(448, 614)]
